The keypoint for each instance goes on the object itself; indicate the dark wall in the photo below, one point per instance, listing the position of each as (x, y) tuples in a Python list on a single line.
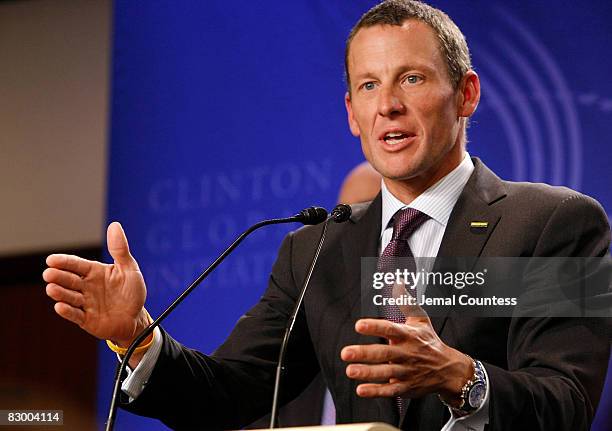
[(45, 362)]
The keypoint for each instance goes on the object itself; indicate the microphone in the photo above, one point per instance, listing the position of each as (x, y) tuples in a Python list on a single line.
[(339, 214), (308, 216), (312, 215)]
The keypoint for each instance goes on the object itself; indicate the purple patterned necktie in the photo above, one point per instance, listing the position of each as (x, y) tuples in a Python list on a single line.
[(405, 222)]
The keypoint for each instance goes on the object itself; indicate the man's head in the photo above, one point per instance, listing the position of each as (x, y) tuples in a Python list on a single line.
[(452, 43), (408, 101)]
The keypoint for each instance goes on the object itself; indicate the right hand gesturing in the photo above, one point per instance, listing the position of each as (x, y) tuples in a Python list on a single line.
[(105, 300)]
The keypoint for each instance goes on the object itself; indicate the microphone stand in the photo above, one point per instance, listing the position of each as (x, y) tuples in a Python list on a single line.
[(312, 215), (340, 214)]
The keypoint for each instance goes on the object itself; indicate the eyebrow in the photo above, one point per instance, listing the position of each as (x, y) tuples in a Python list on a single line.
[(402, 70)]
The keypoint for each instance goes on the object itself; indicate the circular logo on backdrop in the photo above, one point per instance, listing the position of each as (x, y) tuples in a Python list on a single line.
[(524, 87)]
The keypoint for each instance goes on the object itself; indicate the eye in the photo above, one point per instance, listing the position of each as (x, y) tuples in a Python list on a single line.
[(368, 86), (413, 79)]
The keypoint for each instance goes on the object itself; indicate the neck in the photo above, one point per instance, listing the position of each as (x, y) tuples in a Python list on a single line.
[(407, 190)]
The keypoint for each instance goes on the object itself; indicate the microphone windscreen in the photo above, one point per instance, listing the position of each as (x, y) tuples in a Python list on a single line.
[(341, 213), (313, 215)]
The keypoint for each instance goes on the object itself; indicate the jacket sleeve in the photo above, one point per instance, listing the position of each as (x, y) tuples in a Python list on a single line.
[(233, 386), (557, 366)]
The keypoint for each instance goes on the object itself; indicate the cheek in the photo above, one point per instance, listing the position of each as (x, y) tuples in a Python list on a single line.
[(362, 116), (439, 115), (369, 154)]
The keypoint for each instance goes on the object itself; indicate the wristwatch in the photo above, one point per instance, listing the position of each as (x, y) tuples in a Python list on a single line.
[(473, 392)]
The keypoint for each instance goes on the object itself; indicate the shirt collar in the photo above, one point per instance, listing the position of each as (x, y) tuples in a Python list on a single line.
[(437, 201)]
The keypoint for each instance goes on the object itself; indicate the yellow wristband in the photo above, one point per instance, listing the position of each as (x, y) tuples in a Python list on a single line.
[(121, 351)]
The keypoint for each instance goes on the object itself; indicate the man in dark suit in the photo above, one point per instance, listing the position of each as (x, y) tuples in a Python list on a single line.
[(411, 92)]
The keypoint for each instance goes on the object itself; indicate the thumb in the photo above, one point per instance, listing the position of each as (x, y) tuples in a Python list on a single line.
[(118, 246)]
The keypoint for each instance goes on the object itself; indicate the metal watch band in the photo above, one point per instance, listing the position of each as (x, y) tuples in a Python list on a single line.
[(477, 379)]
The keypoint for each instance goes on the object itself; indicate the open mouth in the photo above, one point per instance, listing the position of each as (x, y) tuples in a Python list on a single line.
[(396, 138)]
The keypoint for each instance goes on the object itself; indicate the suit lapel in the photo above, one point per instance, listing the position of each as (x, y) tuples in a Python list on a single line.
[(476, 204)]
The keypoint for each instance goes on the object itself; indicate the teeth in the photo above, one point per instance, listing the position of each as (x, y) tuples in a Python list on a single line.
[(393, 135)]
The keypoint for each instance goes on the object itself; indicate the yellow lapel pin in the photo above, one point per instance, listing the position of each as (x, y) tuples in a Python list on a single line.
[(479, 224)]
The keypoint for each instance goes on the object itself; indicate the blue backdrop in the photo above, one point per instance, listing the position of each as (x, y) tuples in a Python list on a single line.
[(224, 113)]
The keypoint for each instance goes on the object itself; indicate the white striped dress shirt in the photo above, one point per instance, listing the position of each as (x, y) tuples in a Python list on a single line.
[(437, 202)]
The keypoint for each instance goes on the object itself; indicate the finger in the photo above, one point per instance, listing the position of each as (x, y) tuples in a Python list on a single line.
[(70, 297), (68, 312), (380, 328), (65, 279), (373, 354), (377, 373), (68, 262), (371, 390), (118, 246)]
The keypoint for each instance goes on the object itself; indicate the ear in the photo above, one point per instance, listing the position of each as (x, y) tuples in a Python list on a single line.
[(351, 118), (469, 94)]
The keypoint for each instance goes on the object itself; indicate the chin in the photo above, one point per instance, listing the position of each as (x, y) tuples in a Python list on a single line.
[(400, 170), (398, 174), (406, 176)]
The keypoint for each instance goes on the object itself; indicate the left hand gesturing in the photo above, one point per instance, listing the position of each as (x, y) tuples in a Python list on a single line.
[(414, 363)]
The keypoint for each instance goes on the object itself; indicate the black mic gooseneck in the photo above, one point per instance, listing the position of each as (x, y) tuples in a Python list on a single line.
[(339, 214), (308, 216)]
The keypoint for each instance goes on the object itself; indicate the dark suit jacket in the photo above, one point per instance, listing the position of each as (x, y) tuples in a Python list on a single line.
[(545, 373)]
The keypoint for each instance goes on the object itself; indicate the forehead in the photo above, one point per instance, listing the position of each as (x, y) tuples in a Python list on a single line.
[(414, 43)]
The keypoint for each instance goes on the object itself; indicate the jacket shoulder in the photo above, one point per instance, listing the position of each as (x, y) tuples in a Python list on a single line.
[(539, 197)]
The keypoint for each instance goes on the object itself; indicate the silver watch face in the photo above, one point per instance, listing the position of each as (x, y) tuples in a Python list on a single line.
[(476, 395)]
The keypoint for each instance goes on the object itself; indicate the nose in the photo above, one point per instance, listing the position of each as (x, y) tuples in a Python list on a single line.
[(389, 104)]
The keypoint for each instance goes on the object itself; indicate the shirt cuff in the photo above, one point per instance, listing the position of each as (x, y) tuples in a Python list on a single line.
[(476, 420), (138, 378)]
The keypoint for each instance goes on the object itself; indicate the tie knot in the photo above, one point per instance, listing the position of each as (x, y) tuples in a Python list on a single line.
[(406, 221)]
